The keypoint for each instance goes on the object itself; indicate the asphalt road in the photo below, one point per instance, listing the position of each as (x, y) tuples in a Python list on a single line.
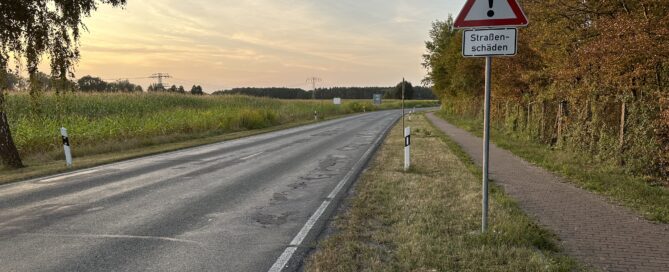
[(231, 206)]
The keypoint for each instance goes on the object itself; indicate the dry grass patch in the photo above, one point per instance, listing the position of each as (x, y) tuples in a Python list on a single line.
[(429, 218)]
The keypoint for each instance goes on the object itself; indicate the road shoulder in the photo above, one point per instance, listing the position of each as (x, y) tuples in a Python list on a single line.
[(428, 219)]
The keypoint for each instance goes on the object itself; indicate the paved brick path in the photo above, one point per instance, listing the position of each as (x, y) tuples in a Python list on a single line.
[(593, 230)]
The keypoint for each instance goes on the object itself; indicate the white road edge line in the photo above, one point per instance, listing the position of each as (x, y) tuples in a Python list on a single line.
[(70, 175), (287, 254), (283, 259), (251, 156)]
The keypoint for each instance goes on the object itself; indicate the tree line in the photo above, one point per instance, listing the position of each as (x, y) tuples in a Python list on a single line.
[(95, 84), (411, 92), (89, 84), (195, 90), (589, 76)]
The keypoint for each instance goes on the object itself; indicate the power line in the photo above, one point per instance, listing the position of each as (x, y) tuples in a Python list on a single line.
[(186, 81), (301, 85), (313, 80), (123, 78), (160, 77)]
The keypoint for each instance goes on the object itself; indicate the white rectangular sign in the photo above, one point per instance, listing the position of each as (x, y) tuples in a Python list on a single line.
[(377, 99), (337, 101), (489, 42)]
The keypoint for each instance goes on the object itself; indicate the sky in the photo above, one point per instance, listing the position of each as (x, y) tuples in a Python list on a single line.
[(222, 44)]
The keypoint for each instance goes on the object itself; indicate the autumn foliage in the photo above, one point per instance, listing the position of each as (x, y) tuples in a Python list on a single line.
[(590, 76)]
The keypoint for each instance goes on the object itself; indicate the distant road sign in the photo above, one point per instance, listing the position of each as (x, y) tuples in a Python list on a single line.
[(490, 13), (337, 101), (489, 42), (377, 99)]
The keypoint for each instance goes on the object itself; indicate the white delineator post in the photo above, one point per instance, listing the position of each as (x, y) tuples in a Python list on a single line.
[(66, 147), (407, 148)]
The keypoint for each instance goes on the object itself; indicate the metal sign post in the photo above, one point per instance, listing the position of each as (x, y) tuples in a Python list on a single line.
[(486, 141), (403, 104), (481, 40)]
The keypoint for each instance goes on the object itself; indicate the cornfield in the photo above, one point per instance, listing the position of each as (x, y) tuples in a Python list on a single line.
[(98, 120)]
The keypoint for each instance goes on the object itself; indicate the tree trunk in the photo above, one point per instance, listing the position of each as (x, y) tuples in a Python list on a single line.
[(559, 123), (517, 117), (542, 130), (591, 125), (498, 114), (506, 113), (529, 117), (658, 77), (623, 118), (8, 152)]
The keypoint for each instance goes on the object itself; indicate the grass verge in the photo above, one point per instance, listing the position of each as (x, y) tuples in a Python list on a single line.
[(651, 201), (428, 219)]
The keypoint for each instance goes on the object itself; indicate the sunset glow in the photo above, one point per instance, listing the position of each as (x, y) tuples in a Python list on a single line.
[(223, 44)]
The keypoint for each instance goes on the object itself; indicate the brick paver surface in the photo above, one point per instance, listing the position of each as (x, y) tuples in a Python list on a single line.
[(596, 232)]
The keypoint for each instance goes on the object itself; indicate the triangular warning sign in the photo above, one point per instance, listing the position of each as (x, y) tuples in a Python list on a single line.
[(490, 13)]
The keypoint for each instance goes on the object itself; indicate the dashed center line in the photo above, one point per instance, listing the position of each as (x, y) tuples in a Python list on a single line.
[(115, 236), (251, 156)]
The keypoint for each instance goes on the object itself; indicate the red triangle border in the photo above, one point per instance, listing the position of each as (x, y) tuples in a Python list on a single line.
[(520, 20)]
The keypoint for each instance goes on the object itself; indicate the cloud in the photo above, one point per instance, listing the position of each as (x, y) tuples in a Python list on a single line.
[(401, 20)]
